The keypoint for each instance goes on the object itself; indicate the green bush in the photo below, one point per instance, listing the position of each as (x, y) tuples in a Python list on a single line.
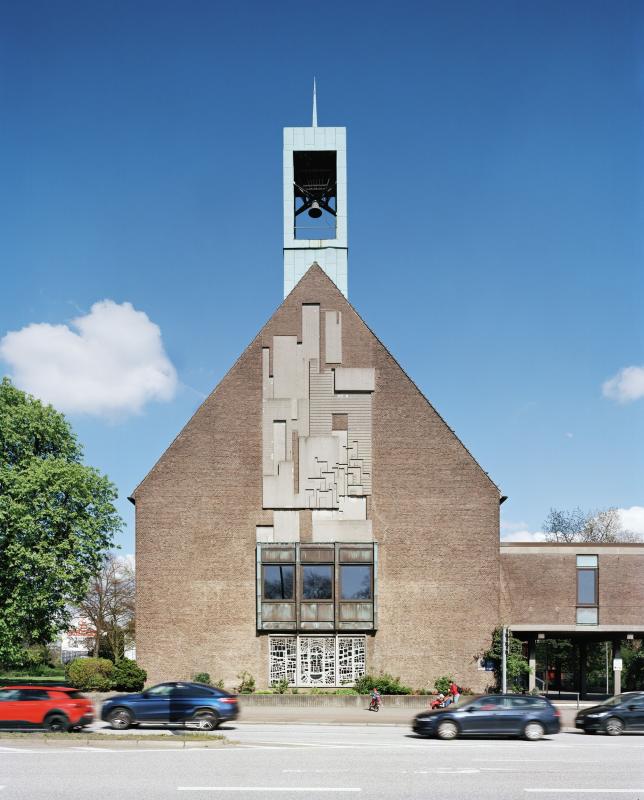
[(90, 674), (127, 676), (280, 686), (442, 684), (385, 684), (202, 677), (246, 683)]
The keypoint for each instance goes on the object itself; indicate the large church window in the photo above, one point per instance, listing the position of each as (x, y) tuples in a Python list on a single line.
[(278, 581), (355, 582), (317, 582)]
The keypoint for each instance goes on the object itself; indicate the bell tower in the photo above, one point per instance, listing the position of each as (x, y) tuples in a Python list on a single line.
[(315, 202)]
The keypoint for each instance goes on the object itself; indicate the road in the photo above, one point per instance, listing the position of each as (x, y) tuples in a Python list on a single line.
[(319, 761)]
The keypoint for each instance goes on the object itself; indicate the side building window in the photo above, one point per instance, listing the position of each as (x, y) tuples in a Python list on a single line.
[(587, 590)]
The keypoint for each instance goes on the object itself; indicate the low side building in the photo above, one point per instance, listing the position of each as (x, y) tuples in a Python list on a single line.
[(580, 592)]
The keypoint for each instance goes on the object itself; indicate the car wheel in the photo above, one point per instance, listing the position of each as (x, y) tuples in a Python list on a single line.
[(614, 726), (120, 719), (533, 731), (57, 723), (447, 730), (204, 720)]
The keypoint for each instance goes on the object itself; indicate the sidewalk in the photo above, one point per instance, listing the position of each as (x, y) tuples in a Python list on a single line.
[(353, 716)]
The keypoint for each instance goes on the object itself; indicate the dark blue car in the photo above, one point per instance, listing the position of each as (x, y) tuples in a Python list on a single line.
[(491, 715), (624, 712), (192, 704)]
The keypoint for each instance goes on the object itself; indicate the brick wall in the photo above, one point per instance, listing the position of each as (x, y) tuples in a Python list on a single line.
[(435, 515), (539, 584)]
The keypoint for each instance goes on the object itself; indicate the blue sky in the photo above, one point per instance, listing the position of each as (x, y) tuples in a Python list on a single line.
[(495, 165)]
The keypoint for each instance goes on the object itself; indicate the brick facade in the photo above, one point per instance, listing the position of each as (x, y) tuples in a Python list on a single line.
[(539, 585), (435, 516)]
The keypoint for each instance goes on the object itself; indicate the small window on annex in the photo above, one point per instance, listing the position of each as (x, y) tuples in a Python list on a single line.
[(317, 582), (278, 581), (355, 582), (587, 590)]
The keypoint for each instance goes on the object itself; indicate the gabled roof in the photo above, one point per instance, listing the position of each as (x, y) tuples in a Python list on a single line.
[(314, 281)]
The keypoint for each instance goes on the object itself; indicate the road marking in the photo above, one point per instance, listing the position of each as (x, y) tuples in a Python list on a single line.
[(267, 789), (534, 760), (586, 791)]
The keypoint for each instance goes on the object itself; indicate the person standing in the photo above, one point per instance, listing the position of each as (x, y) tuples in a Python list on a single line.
[(455, 691)]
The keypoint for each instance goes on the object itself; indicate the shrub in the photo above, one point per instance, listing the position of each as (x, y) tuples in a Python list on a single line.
[(127, 676), (385, 684), (280, 686), (442, 684), (202, 677), (219, 684), (90, 674), (246, 683)]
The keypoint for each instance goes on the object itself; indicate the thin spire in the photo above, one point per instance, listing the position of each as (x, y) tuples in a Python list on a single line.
[(315, 106)]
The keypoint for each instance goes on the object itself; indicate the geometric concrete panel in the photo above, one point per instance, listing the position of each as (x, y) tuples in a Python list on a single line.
[(316, 439), (264, 533), (333, 337), (331, 530), (354, 379), (286, 526)]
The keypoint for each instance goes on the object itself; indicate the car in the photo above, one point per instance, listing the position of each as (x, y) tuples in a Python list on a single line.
[(54, 708), (194, 705), (491, 715), (623, 712)]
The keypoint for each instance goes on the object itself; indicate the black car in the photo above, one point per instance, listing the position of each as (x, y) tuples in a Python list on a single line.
[(196, 705), (624, 712), (491, 715)]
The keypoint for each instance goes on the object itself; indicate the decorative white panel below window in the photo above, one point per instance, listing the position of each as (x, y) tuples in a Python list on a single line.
[(317, 660)]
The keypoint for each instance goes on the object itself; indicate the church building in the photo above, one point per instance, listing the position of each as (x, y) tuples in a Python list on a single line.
[(292, 528)]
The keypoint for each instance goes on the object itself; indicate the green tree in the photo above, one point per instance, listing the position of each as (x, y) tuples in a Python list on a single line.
[(57, 519), (517, 666)]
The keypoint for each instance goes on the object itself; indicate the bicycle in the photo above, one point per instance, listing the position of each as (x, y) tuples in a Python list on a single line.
[(374, 705)]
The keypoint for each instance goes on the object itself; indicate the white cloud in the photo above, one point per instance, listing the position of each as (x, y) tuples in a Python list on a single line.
[(632, 518), (111, 365), (518, 532), (626, 386), (523, 536)]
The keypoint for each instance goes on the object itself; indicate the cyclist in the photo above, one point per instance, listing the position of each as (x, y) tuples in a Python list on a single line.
[(376, 700)]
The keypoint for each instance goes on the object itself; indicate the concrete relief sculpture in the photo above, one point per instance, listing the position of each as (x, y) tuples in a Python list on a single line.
[(316, 434)]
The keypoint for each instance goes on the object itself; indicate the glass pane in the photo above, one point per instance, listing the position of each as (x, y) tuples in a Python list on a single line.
[(587, 616), (162, 690), (586, 587), (489, 703), (278, 582), (317, 582), (356, 582), (587, 561)]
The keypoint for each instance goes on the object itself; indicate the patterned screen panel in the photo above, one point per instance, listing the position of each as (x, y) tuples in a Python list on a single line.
[(317, 660)]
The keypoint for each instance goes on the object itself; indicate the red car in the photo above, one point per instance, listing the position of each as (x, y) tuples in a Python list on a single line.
[(55, 708)]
